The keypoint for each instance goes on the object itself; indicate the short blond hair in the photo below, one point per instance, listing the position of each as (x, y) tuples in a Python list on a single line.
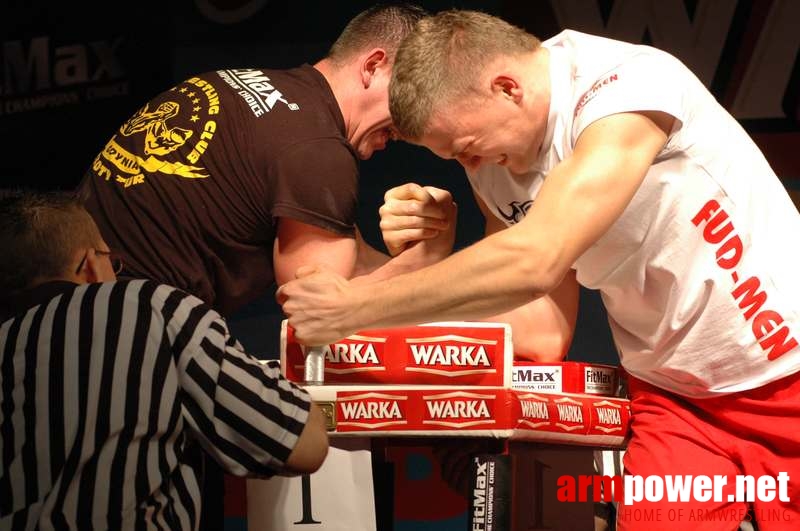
[(438, 60)]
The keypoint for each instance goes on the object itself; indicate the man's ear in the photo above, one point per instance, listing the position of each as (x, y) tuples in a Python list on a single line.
[(370, 63), (507, 86), (91, 271)]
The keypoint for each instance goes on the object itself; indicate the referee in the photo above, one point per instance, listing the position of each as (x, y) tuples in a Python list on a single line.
[(111, 390)]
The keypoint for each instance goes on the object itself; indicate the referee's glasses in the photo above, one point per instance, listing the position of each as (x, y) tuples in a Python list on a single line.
[(116, 260)]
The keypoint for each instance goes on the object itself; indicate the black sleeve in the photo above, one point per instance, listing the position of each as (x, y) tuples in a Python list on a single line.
[(316, 182)]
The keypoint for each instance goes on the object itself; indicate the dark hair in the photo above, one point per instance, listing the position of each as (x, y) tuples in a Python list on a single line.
[(39, 234), (380, 26)]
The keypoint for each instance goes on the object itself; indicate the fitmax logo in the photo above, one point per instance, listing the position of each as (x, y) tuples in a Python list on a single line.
[(39, 67), (533, 376), (479, 498)]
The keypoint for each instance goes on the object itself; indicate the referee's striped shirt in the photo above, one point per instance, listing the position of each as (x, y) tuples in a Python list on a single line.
[(109, 391)]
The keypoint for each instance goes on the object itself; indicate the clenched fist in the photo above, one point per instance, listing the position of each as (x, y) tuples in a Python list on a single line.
[(316, 304), (412, 214)]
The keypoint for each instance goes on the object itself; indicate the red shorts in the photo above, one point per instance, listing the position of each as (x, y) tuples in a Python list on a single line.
[(755, 432)]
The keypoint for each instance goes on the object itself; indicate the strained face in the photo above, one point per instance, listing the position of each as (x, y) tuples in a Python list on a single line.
[(485, 131)]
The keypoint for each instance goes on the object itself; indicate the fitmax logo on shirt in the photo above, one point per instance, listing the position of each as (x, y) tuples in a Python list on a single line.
[(255, 88)]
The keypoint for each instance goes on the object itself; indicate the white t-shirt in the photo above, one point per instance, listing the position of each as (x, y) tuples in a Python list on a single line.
[(701, 274)]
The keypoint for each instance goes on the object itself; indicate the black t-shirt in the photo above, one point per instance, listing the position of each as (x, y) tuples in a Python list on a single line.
[(189, 189)]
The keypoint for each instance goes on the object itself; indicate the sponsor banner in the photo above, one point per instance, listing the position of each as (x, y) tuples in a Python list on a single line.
[(431, 410), (456, 353), (490, 493), (71, 72), (608, 417), (565, 377), (493, 412), (573, 418), (538, 377)]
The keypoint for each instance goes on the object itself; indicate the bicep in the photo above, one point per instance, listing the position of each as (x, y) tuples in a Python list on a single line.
[(368, 259), (298, 244), (492, 223), (583, 195), (542, 329)]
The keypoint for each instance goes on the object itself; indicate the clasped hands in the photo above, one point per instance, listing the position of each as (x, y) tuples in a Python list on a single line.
[(319, 303)]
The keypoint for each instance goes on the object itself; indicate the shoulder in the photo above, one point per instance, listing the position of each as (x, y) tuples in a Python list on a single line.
[(161, 297), (184, 317), (312, 162), (329, 153)]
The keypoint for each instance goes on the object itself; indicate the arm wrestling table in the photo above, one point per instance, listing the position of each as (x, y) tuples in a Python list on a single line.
[(512, 428)]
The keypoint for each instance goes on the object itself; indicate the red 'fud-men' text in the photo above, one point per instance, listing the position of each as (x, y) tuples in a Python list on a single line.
[(767, 325)]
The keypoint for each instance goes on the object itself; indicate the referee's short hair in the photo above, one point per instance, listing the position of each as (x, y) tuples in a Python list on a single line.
[(40, 234)]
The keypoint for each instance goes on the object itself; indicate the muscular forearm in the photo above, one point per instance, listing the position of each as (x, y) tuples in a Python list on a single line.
[(377, 266), (537, 338), (494, 276), (542, 330)]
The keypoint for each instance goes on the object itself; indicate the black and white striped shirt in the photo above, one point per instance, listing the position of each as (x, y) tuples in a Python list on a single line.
[(109, 391)]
